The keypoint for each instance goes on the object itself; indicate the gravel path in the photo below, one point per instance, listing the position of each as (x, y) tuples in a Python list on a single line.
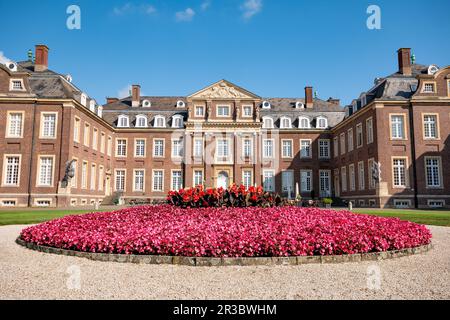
[(26, 274)]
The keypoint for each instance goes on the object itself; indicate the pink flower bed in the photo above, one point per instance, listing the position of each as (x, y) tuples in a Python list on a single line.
[(228, 232)]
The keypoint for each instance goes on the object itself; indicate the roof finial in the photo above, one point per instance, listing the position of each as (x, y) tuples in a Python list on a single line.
[(413, 58), (315, 94), (30, 55)]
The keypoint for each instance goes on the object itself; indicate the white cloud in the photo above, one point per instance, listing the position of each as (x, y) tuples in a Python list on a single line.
[(251, 7), (130, 8), (124, 92), (3, 59), (205, 5), (185, 16)]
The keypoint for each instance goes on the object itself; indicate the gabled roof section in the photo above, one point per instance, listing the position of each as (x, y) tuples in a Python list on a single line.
[(224, 89)]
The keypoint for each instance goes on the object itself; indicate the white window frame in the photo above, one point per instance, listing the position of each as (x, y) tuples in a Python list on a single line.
[(350, 140), (247, 178), (123, 121), (321, 118), (342, 143), (86, 134), (52, 174), (157, 119), (361, 176), (268, 123), (268, 149), (273, 183), (84, 174), (175, 119), (220, 154), (308, 148), (156, 148), (140, 177), (223, 107), (76, 129), (199, 114), (306, 175), (95, 138), (12, 87), (284, 125), (55, 125), (179, 152), (344, 180), (325, 175), (400, 170), (359, 135), (9, 122), (123, 148), (93, 175), (140, 151), (396, 123), (247, 150), (290, 153), (141, 118), (5, 170), (154, 171), (176, 185), (244, 107), (369, 130), (352, 177), (198, 153), (301, 126), (195, 177), (439, 172), (124, 177), (427, 126), (324, 149)]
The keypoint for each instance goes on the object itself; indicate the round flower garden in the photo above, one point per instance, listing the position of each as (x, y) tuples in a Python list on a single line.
[(169, 230)]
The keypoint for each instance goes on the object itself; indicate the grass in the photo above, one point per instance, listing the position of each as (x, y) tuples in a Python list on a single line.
[(32, 216), (428, 217)]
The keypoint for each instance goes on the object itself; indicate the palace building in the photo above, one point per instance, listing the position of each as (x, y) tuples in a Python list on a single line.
[(59, 147)]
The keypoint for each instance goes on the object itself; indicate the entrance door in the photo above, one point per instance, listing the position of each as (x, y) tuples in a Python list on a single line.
[(107, 186), (222, 180)]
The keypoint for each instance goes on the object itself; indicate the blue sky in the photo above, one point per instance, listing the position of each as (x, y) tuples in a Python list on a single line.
[(272, 48)]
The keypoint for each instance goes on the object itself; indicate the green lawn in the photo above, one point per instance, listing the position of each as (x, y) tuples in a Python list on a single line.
[(35, 216), (429, 217)]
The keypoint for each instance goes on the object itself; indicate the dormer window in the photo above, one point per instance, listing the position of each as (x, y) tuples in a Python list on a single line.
[(428, 88), (159, 122), (123, 122), (92, 106), (267, 123), (303, 123), (322, 123), (141, 121), (83, 99), (285, 123), (16, 85), (177, 121), (266, 105), (363, 100)]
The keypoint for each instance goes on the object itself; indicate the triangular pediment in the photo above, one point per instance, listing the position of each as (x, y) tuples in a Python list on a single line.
[(223, 90)]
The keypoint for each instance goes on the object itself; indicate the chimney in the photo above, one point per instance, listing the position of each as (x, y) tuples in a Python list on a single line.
[(135, 95), (334, 101), (404, 61), (41, 56), (111, 100), (309, 102)]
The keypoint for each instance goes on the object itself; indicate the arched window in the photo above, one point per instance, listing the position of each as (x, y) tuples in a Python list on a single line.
[(141, 121), (285, 123), (303, 123), (123, 121), (177, 121), (160, 122), (267, 123), (322, 123)]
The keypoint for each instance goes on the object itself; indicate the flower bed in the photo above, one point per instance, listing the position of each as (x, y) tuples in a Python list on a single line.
[(227, 232)]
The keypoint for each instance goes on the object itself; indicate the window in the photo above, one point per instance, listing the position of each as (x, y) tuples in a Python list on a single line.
[(120, 180), (102, 142), (359, 135), (361, 176), (15, 125), (87, 132), (342, 138), (74, 180), (84, 169), (123, 122), (247, 149), (247, 179), (267, 148), (199, 111), (48, 129), (428, 88), (177, 122), (16, 85), (9, 203), (198, 177), (222, 148), (305, 148), (95, 139), (344, 179), (177, 180), (285, 123), (287, 182), (371, 173), (336, 146), (397, 127), (158, 180), (141, 121), (45, 171), (269, 180), (109, 147), (93, 175), (399, 172), (139, 145), (286, 148), (322, 123), (306, 180), (159, 122), (101, 172), (402, 204), (369, 130), (198, 148), (158, 148), (43, 203), (121, 145), (76, 129), (177, 148), (350, 139), (267, 123), (303, 123), (11, 171), (433, 172), (351, 169), (325, 183), (247, 111), (223, 111), (436, 203), (324, 149), (430, 126), (139, 176)]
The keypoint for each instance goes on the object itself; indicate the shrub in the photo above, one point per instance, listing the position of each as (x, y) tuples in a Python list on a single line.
[(234, 196), (327, 201)]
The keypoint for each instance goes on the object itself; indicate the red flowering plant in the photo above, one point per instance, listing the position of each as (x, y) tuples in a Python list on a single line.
[(227, 232), (234, 196)]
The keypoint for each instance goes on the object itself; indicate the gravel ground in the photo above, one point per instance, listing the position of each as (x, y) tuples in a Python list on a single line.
[(26, 274)]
